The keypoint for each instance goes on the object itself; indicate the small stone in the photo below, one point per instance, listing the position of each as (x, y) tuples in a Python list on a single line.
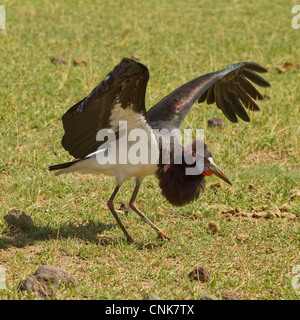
[(48, 284), (42, 284), (243, 237), (153, 297), (287, 66), (62, 274), (252, 188), (200, 274), (79, 62), (214, 226), (135, 57), (29, 284), (215, 123), (294, 194), (45, 281), (18, 218), (58, 60), (230, 296), (209, 297)]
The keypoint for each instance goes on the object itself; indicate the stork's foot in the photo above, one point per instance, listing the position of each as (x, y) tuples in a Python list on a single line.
[(129, 239), (163, 236)]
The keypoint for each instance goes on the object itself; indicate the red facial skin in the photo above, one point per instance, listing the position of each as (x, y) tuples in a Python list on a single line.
[(206, 173)]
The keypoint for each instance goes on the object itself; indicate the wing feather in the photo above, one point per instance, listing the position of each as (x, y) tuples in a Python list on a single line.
[(256, 78), (249, 88), (222, 104), (232, 99), (229, 88), (125, 88)]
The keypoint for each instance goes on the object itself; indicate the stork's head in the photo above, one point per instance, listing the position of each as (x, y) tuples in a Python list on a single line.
[(181, 188), (208, 165)]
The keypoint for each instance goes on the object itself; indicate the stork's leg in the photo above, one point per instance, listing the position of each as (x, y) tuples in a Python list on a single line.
[(133, 206), (110, 205)]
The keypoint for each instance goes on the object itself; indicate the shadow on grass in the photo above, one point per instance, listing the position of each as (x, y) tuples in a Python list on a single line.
[(89, 231)]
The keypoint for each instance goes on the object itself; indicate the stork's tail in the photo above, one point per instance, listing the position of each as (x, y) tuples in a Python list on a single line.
[(62, 166)]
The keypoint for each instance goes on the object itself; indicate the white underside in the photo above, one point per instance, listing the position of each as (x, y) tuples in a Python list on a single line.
[(121, 172), (137, 158)]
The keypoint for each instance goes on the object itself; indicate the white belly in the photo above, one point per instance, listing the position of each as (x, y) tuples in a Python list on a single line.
[(124, 161)]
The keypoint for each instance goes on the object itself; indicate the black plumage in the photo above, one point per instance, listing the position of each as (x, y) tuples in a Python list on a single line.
[(127, 83)]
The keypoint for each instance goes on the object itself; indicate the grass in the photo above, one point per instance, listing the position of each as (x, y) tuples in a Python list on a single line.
[(178, 40)]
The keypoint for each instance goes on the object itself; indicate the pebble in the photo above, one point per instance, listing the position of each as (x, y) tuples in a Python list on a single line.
[(251, 188), (79, 62), (45, 281), (18, 218), (58, 60), (243, 237), (215, 123), (135, 57), (214, 226), (230, 296), (200, 274)]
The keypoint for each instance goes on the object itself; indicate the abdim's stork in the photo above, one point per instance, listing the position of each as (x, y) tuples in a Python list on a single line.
[(118, 103)]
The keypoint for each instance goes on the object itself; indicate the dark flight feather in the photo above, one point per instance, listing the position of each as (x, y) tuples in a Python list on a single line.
[(213, 87), (126, 84)]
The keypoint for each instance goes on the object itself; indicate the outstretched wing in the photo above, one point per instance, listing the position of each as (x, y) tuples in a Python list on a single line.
[(230, 88), (121, 93)]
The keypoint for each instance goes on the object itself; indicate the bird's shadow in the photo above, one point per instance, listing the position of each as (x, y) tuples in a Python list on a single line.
[(90, 231)]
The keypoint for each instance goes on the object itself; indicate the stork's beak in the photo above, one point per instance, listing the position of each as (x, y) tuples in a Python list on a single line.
[(212, 168)]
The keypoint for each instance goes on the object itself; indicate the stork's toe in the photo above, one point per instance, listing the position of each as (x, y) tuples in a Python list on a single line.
[(163, 236)]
